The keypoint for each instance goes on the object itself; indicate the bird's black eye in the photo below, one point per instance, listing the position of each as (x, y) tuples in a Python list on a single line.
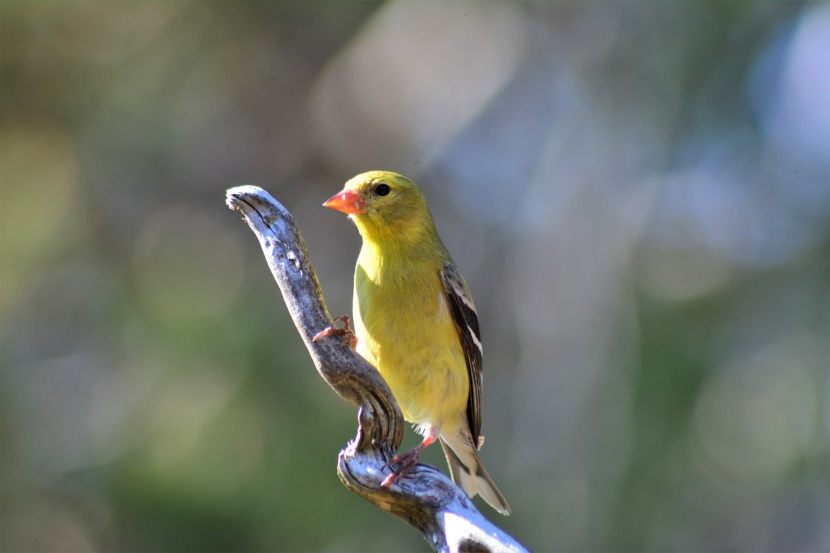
[(382, 189)]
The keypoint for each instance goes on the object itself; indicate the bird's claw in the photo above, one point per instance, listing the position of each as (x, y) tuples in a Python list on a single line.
[(339, 328), (405, 462)]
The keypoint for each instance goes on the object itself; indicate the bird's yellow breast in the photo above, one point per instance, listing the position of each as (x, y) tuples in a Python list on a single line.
[(404, 328)]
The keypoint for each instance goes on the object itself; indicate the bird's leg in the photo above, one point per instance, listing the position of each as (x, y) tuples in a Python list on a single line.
[(408, 460), (339, 328)]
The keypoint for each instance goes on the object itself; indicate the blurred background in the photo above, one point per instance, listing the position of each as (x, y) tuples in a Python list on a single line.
[(637, 194)]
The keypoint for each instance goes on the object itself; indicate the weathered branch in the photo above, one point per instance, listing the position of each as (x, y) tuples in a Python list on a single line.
[(425, 498)]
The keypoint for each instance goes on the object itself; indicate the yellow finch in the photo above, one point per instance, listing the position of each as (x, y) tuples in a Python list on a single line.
[(416, 322)]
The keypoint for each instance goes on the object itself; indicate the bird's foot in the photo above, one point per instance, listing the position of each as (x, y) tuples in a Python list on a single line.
[(339, 328), (408, 460), (405, 462)]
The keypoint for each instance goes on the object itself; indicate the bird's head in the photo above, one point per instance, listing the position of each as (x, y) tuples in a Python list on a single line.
[(385, 206)]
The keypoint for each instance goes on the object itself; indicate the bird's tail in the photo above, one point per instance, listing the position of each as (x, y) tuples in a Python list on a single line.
[(469, 473)]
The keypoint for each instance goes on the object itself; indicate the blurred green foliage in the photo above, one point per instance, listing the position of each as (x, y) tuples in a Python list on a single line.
[(637, 193)]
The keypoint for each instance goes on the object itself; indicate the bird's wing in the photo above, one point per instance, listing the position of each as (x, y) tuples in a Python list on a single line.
[(466, 322)]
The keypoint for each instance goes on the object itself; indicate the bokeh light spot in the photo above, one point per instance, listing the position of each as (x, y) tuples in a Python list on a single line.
[(760, 414)]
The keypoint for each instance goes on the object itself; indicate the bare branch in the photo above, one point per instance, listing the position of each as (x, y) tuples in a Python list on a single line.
[(424, 498)]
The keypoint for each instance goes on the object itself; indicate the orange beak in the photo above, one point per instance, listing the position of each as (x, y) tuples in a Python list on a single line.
[(347, 202)]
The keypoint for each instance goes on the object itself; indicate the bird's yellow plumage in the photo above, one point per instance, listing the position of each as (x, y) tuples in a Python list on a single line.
[(404, 328), (416, 322)]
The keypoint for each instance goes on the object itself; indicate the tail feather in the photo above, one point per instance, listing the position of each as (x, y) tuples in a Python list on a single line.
[(471, 476)]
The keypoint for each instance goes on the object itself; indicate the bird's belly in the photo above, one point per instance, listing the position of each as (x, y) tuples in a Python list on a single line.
[(422, 363), (429, 387)]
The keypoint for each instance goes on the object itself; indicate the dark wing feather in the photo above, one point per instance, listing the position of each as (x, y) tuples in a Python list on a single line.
[(466, 322)]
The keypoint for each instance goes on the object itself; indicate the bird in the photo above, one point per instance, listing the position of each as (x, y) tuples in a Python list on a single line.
[(415, 321)]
